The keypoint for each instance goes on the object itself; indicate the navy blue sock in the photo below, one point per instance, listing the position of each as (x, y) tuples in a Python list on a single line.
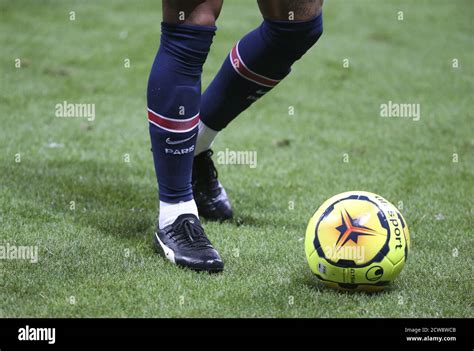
[(174, 97), (257, 63)]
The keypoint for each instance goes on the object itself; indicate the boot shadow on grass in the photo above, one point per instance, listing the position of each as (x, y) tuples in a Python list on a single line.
[(116, 199)]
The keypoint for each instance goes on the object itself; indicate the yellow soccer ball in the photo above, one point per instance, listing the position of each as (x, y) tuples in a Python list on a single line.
[(357, 241)]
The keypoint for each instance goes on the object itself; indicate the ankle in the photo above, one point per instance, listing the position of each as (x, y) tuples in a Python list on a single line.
[(169, 212)]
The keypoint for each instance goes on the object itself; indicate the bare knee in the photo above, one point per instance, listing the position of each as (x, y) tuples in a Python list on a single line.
[(198, 12), (297, 10)]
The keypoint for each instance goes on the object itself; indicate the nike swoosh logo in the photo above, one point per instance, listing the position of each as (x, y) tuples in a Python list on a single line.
[(174, 142)]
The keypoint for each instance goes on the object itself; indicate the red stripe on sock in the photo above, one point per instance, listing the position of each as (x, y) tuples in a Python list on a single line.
[(240, 67), (173, 125)]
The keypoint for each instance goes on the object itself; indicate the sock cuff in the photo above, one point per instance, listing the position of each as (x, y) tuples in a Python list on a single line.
[(190, 29), (295, 26), (291, 33), (291, 39), (188, 43)]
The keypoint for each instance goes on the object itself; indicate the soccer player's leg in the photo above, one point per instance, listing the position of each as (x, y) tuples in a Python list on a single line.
[(256, 64), (173, 97)]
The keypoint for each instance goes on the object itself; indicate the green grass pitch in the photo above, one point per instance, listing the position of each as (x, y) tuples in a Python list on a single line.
[(84, 192)]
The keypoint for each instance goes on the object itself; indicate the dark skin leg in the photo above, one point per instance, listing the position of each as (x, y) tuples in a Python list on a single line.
[(198, 12), (206, 12), (288, 10)]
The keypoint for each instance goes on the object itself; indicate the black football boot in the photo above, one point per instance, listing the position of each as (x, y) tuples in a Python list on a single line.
[(185, 244), (210, 196)]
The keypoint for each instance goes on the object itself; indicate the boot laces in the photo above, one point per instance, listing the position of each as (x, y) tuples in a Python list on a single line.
[(190, 234)]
